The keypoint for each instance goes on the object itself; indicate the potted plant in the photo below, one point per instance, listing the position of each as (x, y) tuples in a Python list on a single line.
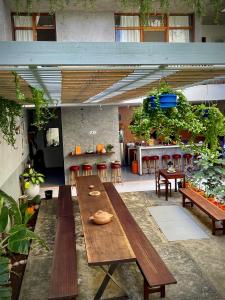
[(109, 148), (163, 96), (32, 181)]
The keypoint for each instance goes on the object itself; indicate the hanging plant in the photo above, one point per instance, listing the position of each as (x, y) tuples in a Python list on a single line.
[(10, 111), (42, 111)]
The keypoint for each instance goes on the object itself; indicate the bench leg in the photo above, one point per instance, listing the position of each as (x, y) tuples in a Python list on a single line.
[(223, 227), (148, 290), (183, 198), (213, 227)]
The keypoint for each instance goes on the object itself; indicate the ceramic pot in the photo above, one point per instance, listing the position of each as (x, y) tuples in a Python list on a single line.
[(33, 190), (101, 217)]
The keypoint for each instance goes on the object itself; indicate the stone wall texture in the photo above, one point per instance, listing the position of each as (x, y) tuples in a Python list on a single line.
[(77, 122)]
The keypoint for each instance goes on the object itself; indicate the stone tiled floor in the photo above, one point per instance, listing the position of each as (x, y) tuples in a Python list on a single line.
[(198, 265)]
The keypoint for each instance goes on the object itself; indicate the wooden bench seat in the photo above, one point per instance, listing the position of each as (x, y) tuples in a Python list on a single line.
[(155, 272), (63, 282), (214, 212), (64, 202)]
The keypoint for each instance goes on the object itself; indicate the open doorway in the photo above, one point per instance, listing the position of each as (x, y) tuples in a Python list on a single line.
[(46, 149)]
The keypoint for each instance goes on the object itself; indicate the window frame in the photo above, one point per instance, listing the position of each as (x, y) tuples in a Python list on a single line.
[(34, 27), (166, 28)]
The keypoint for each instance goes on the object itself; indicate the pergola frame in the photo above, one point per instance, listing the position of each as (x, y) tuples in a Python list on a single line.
[(110, 53)]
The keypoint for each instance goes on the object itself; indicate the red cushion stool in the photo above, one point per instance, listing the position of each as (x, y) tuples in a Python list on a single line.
[(87, 169), (74, 172), (102, 171), (165, 159), (154, 164), (116, 175), (177, 161), (187, 160), (145, 164)]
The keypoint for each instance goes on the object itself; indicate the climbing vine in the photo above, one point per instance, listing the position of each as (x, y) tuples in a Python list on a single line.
[(10, 111), (144, 6)]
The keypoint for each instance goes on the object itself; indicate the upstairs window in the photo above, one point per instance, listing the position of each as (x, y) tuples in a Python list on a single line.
[(157, 28), (33, 27)]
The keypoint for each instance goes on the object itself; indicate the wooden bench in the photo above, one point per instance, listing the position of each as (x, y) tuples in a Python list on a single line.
[(63, 283), (155, 272), (214, 212)]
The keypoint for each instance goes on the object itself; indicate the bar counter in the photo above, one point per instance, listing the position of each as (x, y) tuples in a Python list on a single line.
[(156, 150)]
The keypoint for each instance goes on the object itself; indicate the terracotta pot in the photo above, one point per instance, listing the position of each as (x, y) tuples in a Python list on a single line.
[(187, 185), (202, 193)]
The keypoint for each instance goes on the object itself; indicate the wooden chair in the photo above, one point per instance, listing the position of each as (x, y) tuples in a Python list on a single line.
[(159, 182)]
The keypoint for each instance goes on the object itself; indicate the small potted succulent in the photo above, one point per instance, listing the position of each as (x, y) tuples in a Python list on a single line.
[(109, 148), (32, 181)]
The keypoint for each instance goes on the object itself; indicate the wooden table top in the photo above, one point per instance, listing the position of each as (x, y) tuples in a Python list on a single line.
[(165, 174), (105, 244)]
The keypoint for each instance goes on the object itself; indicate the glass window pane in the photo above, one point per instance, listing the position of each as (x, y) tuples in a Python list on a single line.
[(127, 21), (24, 35), (45, 20), (128, 36), (176, 21), (22, 21), (46, 35), (179, 36)]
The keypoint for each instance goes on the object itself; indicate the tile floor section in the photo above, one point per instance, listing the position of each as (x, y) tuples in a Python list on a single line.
[(198, 265)]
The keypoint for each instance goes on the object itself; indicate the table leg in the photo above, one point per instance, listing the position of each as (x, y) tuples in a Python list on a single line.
[(167, 191), (175, 185)]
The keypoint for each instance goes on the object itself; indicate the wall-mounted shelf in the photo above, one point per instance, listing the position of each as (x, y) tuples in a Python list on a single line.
[(90, 154)]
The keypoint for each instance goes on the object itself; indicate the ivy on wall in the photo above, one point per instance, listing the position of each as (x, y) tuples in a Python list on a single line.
[(144, 6)]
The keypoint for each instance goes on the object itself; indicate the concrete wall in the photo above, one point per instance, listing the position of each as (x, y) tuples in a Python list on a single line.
[(214, 33), (5, 22), (76, 124), (85, 27), (12, 160)]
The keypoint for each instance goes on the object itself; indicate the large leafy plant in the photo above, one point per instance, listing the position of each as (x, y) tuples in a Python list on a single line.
[(17, 239)]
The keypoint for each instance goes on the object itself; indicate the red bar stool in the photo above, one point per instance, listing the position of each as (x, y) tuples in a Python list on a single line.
[(145, 164), (102, 171), (165, 159), (87, 170), (74, 172), (154, 164), (187, 160), (177, 161), (116, 175)]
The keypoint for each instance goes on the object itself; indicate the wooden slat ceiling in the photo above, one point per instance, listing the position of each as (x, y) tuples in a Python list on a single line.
[(177, 80), (7, 86), (79, 86)]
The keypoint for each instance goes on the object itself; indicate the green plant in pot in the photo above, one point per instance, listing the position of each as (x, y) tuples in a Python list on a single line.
[(32, 181), (15, 237), (109, 147)]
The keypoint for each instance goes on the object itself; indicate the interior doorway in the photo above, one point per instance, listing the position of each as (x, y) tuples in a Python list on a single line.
[(46, 149)]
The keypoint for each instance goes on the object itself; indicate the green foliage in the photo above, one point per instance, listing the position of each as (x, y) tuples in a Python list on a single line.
[(13, 208), (5, 291), (109, 147), (167, 123), (10, 111), (31, 176)]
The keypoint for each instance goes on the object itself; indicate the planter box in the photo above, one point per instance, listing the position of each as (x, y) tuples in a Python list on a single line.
[(165, 101)]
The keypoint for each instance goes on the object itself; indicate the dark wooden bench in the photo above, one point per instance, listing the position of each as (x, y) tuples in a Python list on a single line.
[(155, 272), (214, 212), (63, 282)]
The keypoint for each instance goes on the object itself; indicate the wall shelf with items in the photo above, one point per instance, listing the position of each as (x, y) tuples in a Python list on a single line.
[(90, 154)]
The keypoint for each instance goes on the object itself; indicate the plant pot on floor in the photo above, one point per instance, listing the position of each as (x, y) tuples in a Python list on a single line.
[(33, 190), (48, 194)]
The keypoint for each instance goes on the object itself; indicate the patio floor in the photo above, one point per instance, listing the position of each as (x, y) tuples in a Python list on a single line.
[(198, 265)]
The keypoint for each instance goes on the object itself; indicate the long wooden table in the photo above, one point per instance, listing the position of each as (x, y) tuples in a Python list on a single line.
[(176, 175), (105, 244)]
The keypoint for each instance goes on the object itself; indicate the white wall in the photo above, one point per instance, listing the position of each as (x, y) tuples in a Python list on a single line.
[(12, 160), (5, 22), (85, 27), (214, 33)]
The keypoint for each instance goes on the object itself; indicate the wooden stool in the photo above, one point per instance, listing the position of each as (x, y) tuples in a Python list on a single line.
[(74, 172), (187, 160), (116, 175), (177, 161), (165, 159), (102, 171), (145, 164), (154, 164), (87, 170)]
